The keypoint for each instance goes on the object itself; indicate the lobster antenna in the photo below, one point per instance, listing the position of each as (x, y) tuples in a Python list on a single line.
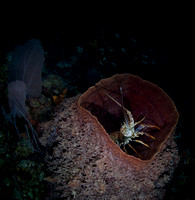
[(122, 103), (122, 106)]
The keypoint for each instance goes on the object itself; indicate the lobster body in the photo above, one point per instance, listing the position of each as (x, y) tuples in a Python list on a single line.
[(128, 132)]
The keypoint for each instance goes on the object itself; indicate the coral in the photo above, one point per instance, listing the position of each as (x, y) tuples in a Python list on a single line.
[(85, 163), (53, 85), (17, 98), (21, 170), (25, 75), (40, 109), (26, 66)]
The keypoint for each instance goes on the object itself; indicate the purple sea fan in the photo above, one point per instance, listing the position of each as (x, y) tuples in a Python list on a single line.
[(17, 98), (25, 75), (26, 66)]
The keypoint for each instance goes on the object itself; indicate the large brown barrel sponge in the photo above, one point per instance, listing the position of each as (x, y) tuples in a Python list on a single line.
[(85, 163)]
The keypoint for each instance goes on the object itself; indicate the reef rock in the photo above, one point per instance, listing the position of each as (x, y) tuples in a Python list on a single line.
[(83, 162)]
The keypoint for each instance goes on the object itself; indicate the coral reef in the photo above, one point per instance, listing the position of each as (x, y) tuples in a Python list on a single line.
[(84, 162), (40, 109), (21, 169)]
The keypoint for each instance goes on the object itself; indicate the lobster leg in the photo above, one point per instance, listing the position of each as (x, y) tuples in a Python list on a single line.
[(139, 141), (147, 134), (150, 126), (125, 150), (134, 150)]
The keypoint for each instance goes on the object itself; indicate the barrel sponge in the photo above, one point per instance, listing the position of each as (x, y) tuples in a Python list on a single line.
[(85, 163)]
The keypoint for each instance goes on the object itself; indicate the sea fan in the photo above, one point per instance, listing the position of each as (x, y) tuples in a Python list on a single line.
[(25, 75), (26, 66), (17, 98)]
